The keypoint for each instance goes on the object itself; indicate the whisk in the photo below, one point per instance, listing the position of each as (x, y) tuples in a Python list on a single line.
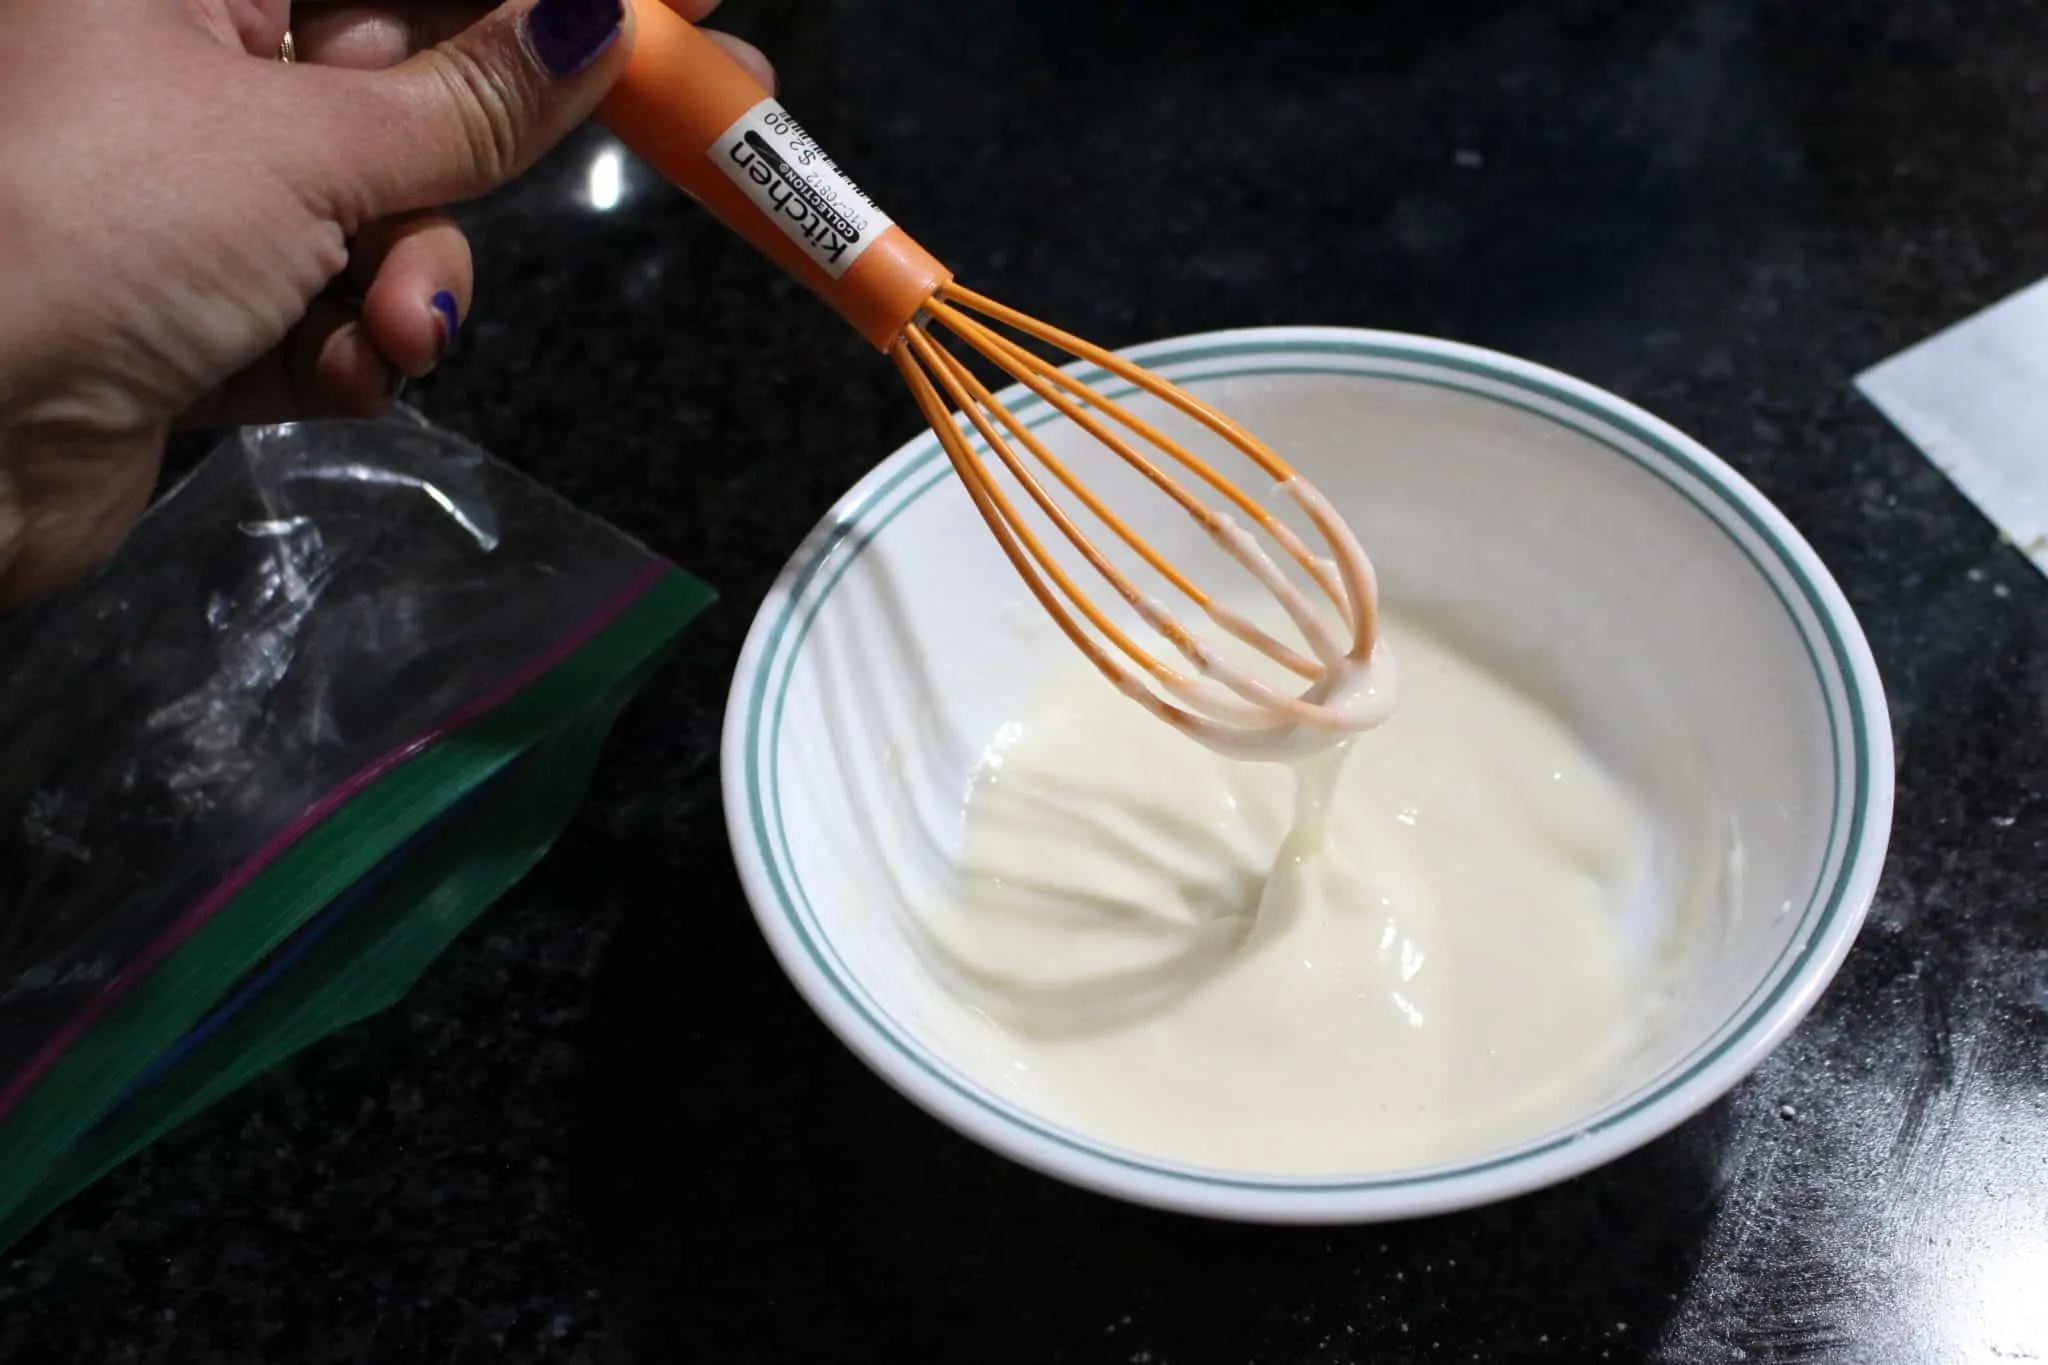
[(693, 113)]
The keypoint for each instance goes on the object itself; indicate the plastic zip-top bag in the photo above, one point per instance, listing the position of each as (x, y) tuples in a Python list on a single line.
[(342, 688)]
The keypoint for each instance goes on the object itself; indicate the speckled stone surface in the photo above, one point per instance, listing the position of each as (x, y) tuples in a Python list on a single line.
[(606, 1130)]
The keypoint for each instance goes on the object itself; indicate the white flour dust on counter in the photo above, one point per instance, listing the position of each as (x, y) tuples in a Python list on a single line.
[(1142, 951)]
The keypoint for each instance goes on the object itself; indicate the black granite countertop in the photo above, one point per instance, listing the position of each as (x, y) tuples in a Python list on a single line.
[(605, 1129)]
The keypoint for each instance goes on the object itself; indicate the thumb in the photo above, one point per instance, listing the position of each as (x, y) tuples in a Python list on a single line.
[(463, 117)]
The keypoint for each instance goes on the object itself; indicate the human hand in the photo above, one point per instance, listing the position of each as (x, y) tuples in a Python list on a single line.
[(193, 232)]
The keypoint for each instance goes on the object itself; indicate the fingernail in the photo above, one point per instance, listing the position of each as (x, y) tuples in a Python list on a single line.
[(568, 35), (451, 322)]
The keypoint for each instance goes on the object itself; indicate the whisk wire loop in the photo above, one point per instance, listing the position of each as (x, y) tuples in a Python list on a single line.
[(941, 383)]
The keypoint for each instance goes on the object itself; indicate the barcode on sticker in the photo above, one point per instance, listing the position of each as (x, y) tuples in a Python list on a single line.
[(788, 176)]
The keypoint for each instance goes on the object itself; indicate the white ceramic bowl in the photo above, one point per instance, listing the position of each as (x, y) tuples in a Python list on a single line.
[(1672, 613)]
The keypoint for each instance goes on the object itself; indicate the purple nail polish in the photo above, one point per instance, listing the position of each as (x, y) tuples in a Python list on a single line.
[(568, 35), (451, 322)]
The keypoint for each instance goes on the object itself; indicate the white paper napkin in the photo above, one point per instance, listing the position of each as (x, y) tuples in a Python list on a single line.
[(1974, 398)]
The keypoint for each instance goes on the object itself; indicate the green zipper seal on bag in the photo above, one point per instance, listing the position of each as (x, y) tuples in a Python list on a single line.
[(573, 702), (368, 963)]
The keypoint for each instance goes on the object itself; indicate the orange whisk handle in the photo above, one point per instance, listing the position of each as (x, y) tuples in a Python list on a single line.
[(694, 114)]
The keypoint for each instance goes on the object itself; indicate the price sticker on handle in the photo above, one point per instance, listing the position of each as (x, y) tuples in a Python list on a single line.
[(788, 176)]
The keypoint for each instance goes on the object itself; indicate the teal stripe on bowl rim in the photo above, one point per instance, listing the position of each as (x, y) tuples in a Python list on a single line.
[(925, 468)]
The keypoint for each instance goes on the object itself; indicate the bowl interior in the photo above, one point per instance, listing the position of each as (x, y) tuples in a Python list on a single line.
[(1600, 559)]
